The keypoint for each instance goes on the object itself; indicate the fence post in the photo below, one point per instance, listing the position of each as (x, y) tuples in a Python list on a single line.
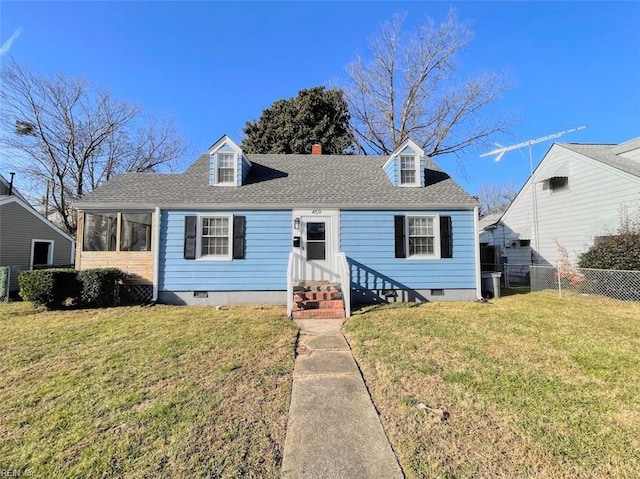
[(559, 281)]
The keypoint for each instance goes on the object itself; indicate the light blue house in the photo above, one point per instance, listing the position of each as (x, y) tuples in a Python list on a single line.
[(316, 232)]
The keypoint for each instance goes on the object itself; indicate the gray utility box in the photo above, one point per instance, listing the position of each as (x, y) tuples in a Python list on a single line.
[(491, 284)]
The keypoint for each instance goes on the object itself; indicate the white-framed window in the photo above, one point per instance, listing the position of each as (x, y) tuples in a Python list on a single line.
[(423, 237), (225, 168), (408, 170), (214, 237), (41, 252)]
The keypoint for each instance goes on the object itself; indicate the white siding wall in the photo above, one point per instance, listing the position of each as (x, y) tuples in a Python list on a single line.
[(591, 206)]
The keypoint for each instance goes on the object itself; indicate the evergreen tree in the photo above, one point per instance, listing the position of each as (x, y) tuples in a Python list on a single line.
[(316, 115)]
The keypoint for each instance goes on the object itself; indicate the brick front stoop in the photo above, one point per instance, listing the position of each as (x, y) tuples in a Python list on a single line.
[(318, 301)]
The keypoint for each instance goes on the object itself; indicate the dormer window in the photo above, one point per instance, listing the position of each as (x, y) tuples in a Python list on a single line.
[(408, 170), (226, 168), (406, 166)]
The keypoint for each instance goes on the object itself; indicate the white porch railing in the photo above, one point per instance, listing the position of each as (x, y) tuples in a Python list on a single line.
[(345, 281), (293, 274), (295, 269)]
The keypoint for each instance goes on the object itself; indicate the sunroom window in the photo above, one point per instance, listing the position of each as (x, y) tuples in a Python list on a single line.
[(116, 231), (100, 232), (135, 232)]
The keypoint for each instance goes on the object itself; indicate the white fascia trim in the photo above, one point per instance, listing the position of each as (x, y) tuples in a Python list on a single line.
[(408, 142), (156, 256), (30, 209), (476, 210), (386, 163), (224, 140)]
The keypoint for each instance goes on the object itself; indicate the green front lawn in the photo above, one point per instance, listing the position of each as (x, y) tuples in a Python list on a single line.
[(535, 386), (144, 392)]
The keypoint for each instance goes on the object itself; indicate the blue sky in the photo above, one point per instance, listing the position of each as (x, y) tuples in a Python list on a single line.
[(215, 65)]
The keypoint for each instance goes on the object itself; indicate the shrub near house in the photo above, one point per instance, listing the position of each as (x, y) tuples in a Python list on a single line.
[(60, 288), (621, 251)]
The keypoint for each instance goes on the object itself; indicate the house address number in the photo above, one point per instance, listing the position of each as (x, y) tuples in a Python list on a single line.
[(316, 212)]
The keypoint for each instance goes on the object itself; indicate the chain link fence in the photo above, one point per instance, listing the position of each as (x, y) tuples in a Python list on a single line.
[(4, 283), (13, 271), (516, 276), (513, 276), (595, 284)]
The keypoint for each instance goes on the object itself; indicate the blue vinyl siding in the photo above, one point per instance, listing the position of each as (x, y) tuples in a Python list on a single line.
[(268, 243), (391, 170), (367, 238), (408, 151), (244, 166)]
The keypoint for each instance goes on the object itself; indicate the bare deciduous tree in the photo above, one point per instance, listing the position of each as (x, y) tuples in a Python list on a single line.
[(409, 89), (72, 137), (496, 198)]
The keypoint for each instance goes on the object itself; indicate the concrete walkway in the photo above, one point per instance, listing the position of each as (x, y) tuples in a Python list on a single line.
[(333, 429)]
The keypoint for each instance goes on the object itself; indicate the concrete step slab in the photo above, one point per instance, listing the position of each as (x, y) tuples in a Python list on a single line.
[(320, 326)]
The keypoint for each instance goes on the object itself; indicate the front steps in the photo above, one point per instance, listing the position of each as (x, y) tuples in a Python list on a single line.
[(317, 299)]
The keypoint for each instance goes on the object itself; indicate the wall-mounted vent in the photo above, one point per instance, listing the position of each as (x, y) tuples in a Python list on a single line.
[(200, 294)]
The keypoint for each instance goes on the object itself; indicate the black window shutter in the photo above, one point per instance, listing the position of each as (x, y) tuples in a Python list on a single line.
[(238, 237), (446, 237), (398, 222), (190, 227)]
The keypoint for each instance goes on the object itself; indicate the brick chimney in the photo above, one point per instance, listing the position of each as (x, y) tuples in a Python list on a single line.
[(316, 149)]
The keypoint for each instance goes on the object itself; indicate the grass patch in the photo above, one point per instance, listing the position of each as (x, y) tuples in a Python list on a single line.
[(536, 386), (144, 392)]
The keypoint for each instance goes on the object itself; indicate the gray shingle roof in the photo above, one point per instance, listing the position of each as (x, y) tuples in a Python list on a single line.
[(488, 220), (282, 181), (606, 154)]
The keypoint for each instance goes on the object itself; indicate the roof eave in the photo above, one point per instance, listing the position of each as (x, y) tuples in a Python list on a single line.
[(275, 206)]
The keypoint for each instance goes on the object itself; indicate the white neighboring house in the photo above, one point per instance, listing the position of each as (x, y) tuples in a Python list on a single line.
[(577, 193)]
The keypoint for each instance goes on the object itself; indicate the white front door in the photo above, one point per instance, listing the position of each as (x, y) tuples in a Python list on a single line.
[(318, 233)]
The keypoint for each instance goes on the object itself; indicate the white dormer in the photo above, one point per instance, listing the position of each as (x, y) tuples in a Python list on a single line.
[(228, 166), (405, 166)]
